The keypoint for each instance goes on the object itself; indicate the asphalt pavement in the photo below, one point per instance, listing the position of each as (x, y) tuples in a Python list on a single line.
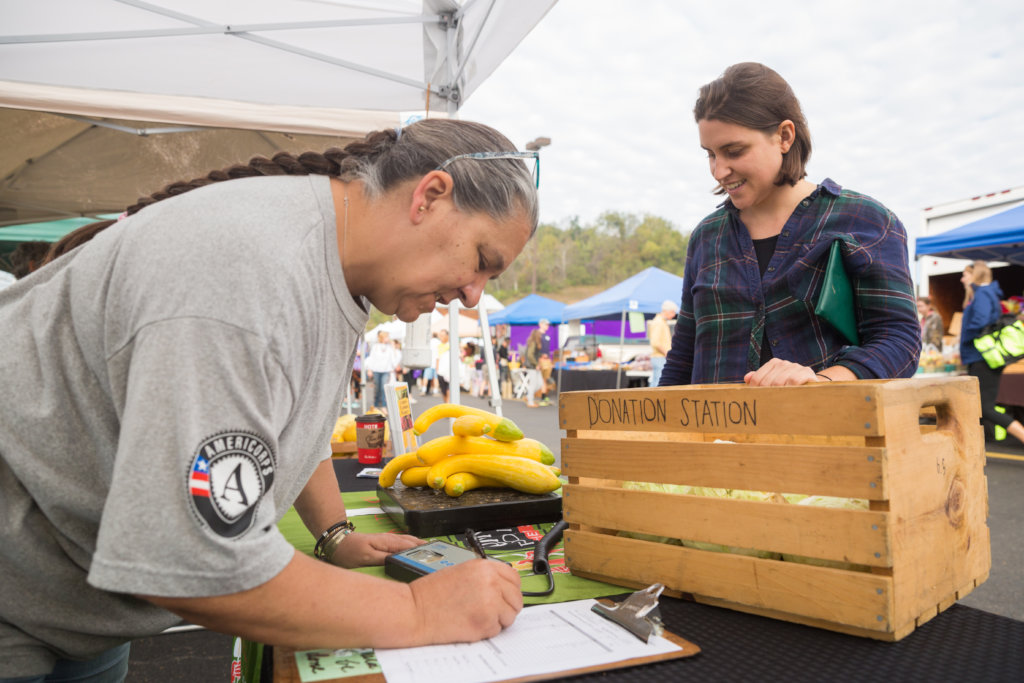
[(205, 656)]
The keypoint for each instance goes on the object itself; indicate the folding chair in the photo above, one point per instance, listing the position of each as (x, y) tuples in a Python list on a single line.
[(521, 383)]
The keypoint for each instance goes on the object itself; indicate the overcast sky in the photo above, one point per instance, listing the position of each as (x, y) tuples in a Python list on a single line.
[(914, 103)]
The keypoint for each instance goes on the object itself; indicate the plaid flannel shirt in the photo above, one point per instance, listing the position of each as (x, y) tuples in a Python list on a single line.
[(728, 310)]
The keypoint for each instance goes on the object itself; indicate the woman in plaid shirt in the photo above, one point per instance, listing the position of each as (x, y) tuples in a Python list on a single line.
[(754, 267)]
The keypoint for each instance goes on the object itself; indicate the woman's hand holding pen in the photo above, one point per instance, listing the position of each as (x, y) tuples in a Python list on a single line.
[(467, 602)]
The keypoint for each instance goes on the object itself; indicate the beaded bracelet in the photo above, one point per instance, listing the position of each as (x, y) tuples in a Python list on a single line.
[(342, 529)]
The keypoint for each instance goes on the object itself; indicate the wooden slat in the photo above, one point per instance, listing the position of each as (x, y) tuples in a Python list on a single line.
[(857, 599), (843, 471), (836, 408), (728, 409), (855, 536)]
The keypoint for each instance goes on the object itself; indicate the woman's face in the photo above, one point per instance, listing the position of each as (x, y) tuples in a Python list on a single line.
[(922, 308), (967, 278), (744, 161), (451, 255)]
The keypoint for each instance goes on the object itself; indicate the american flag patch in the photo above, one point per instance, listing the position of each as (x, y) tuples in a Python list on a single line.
[(199, 478)]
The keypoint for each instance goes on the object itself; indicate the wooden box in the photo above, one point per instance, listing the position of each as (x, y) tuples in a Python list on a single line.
[(920, 544)]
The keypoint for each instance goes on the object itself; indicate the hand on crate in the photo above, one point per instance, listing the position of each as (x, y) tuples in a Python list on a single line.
[(782, 373)]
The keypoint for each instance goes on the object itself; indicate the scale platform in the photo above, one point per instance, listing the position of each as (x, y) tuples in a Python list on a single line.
[(424, 512)]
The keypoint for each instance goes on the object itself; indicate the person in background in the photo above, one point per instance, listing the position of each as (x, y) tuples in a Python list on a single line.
[(403, 373), (28, 256), (467, 357), (546, 367), (537, 343), (193, 357), (660, 338), (931, 323), (983, 307), (754, 268), (382, 361), (503, 354), (444, 362), (428, 380)]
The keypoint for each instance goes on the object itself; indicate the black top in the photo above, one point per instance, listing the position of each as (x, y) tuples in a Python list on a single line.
[(765, 249)]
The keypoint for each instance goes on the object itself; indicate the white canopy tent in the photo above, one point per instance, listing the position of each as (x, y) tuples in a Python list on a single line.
[(103, 101)]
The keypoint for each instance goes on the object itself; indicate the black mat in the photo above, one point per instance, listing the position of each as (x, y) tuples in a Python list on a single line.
[(961, 644)]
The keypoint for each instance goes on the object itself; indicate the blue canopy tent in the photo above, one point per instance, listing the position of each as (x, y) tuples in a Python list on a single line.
[(999, 237), (523, 315), (528, 311), (641, 293)]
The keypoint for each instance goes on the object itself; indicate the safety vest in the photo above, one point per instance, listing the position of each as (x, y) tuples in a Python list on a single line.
[(1005, 345)]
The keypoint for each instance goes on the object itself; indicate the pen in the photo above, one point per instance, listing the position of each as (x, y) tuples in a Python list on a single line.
[(474, 544)]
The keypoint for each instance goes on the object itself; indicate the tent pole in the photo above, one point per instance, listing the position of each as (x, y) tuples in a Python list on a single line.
[(561, 362), (622, 349), (488, 351), (454, 353)]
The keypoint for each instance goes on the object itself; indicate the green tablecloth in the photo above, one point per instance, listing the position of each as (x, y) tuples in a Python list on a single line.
[(567, 586)]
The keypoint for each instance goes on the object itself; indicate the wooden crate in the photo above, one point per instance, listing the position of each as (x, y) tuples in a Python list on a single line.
[(922, 545)]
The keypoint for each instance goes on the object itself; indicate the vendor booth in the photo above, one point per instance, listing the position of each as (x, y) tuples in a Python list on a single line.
[(998, 238), (621, 310)]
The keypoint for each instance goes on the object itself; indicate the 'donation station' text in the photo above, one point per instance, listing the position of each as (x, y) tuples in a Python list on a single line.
[(686, 412)]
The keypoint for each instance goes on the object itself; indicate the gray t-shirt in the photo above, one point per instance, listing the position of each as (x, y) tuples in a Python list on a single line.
[(167, 390)]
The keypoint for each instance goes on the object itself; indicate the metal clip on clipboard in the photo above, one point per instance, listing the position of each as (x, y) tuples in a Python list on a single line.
[(638, 614)]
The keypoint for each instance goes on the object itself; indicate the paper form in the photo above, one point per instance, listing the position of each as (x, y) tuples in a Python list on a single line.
[(543, 639)]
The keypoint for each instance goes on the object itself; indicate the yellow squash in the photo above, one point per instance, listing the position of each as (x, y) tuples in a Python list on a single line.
[(460, 482), (398, 464), (443, 446), (415, 476), (471, 425), (521, 474), (502, 428)]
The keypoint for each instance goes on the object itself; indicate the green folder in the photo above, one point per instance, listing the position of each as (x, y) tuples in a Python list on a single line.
[(835, 303)]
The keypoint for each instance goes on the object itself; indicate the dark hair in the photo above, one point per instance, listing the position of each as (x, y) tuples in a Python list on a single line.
[(382, 160), (27, 256), (752, 95)]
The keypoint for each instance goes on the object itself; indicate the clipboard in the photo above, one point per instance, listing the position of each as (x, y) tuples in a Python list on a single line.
[(286, 669)]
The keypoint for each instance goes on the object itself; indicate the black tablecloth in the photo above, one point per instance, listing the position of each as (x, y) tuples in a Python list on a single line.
[(1011, 389), (960, 644), (591, 380)]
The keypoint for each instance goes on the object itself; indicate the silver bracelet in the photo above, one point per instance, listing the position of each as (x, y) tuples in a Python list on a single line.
[(331, 538)]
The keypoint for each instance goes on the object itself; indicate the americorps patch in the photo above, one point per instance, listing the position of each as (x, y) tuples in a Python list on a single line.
[(227, 477)]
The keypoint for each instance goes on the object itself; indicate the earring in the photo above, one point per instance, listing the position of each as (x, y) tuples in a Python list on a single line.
[(422, 209)]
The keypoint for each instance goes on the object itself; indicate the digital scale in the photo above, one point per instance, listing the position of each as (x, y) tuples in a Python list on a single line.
[(425, 559)]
